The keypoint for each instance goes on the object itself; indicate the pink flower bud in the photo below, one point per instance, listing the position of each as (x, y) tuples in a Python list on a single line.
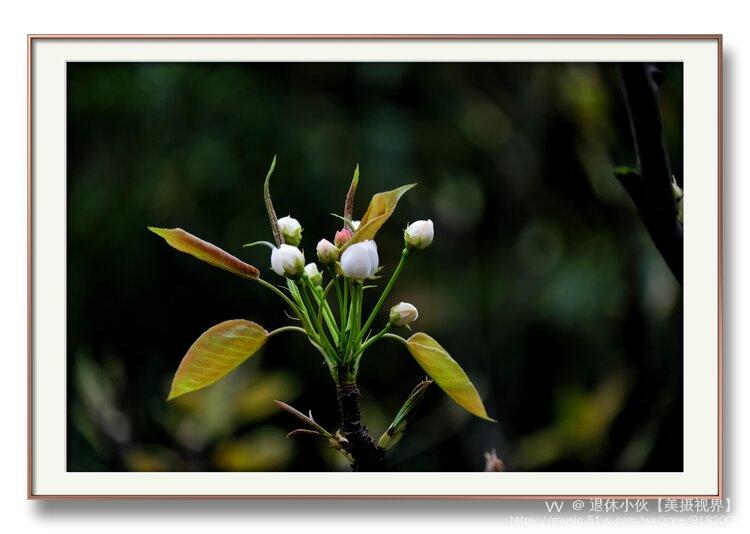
[(342, 236)]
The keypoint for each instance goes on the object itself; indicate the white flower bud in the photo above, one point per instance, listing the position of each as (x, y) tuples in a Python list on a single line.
[(355, 225), (403, 314), (360, 260), (312, 272), (287, 261), (291, 229), (419, 234), (327, 251)]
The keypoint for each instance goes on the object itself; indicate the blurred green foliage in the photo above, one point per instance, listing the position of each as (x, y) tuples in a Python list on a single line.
[(541, 282)]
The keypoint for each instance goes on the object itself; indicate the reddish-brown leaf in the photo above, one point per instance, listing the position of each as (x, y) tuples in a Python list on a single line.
[(205, 251)]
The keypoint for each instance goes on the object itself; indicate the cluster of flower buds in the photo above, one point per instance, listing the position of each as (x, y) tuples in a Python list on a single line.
[(358, 261)]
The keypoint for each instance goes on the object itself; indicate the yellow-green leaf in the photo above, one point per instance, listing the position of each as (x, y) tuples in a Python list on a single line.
[(382, 206), (446, 373), (216, 353), (203, 250)]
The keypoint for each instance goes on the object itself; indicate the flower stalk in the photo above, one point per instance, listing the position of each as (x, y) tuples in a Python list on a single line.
[(402, 262)]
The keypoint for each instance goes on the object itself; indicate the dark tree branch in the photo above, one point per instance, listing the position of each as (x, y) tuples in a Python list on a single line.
[(651, 190), (367, 455)]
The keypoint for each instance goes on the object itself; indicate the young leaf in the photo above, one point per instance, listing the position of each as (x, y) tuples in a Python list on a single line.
[(404, 416), (446, 373), (217, 352), (336, 441), (203, 250), (307, 419), (349, 204), (380, 209), (272, 218)]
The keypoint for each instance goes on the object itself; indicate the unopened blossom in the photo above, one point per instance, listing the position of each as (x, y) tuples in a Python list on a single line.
[(360, 260), (291, 229), (327, 251), (419, 234), (287, 261), (355, 225), (342, 236), (403, 314), (312, 272)]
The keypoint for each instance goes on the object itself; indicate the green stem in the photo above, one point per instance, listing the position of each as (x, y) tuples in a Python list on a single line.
[(360, 300), (311, 312), (330, 362), (394, 336), (339, 297), (388, 287), (352, 319), (303, 313), (280, 293), (323, 307), (346, 302), (372, 340), (287, 329)]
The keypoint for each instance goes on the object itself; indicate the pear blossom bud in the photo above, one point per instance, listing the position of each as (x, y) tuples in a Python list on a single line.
[(355, 225), (327, 251), (287, 261), (342, 236), (403, 314), (419, 234), (312, 272), (360, 260), (291, 229)]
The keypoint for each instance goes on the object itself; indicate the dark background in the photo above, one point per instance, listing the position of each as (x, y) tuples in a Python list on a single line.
[(542, 282)]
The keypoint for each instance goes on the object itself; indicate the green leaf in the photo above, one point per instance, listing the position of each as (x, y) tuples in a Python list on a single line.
[(205, 251), (404, 416), (380, 209), (446, 373), (217, 352)]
